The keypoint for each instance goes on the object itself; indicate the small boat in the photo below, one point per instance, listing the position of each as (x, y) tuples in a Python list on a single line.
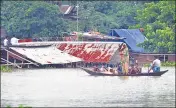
[(91, 72)]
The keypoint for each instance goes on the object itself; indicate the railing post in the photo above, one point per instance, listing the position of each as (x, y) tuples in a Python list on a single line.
[(22, 64), (7, 59)]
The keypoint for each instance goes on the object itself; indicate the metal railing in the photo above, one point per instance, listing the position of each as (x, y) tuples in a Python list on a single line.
[(10, 63), (20, 57)]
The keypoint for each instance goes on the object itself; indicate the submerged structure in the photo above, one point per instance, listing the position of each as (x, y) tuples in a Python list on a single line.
[(64, 52)]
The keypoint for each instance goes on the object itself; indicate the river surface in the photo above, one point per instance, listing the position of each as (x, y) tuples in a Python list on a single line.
[(75, 88)]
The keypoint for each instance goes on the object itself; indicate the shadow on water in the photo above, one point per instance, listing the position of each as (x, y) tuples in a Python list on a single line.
[(122, 77)]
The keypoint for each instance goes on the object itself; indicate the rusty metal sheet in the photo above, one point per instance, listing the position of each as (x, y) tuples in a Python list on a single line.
[(47, 55), (100, 52), (74, 51)]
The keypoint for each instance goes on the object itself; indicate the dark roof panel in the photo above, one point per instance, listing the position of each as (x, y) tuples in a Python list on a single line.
[(133, 37)]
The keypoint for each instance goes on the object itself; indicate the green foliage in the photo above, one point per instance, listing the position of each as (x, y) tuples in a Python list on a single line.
[(158, 21), (39, 18), (80, 37), (8, 106), (31, 18), (43, 19), (20, 106), (105, 15), (126, 11), (165, 64), (6, 68), (168, 64)]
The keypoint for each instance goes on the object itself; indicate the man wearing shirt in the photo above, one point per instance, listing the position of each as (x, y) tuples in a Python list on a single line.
[(6, 42), (14, 41), (155, 65)]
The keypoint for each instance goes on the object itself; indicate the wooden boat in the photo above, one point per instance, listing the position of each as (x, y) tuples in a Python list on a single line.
[(91, 72)]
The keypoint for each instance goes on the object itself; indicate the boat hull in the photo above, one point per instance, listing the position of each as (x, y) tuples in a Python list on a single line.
[(91, 72)]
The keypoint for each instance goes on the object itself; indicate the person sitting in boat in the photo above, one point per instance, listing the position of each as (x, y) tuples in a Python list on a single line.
[(119, 68), (132, 69), (95, 68), (137, 68), (155, 65), (102, 69), (110, 69)]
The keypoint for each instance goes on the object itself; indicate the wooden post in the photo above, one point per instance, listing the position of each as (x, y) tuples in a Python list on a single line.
[(22, 64)]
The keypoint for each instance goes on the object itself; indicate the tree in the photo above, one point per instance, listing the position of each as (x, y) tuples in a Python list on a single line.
[(106, 15), (158, 21), (31, 18)]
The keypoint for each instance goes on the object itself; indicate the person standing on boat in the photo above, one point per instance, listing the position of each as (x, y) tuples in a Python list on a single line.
[(155, 65)]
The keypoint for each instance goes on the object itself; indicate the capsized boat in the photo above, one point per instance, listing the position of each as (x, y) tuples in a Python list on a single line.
[(91, 72)]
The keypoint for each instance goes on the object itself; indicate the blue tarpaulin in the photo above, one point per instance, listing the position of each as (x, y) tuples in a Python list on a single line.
[(133, 37)]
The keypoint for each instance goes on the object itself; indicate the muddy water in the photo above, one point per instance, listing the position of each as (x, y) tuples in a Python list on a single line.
[(74, 87)]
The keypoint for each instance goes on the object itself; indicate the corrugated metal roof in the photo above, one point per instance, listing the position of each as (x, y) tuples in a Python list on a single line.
[(47, 55), (66, 9), (67, 52), (133, 37), (102, 52)]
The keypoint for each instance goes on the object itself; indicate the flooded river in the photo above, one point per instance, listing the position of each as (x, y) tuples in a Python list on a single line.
[(75, 88)]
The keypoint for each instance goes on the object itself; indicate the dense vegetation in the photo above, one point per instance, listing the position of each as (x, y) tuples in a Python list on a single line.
[(165, 64), (31, 18), (6, 68), (158, 21), (42, 19), (20, 106)]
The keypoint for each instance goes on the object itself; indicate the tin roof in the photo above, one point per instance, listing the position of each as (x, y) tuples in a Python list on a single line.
[(66, 9), (65, 52), (133, 37), (47, 55)]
